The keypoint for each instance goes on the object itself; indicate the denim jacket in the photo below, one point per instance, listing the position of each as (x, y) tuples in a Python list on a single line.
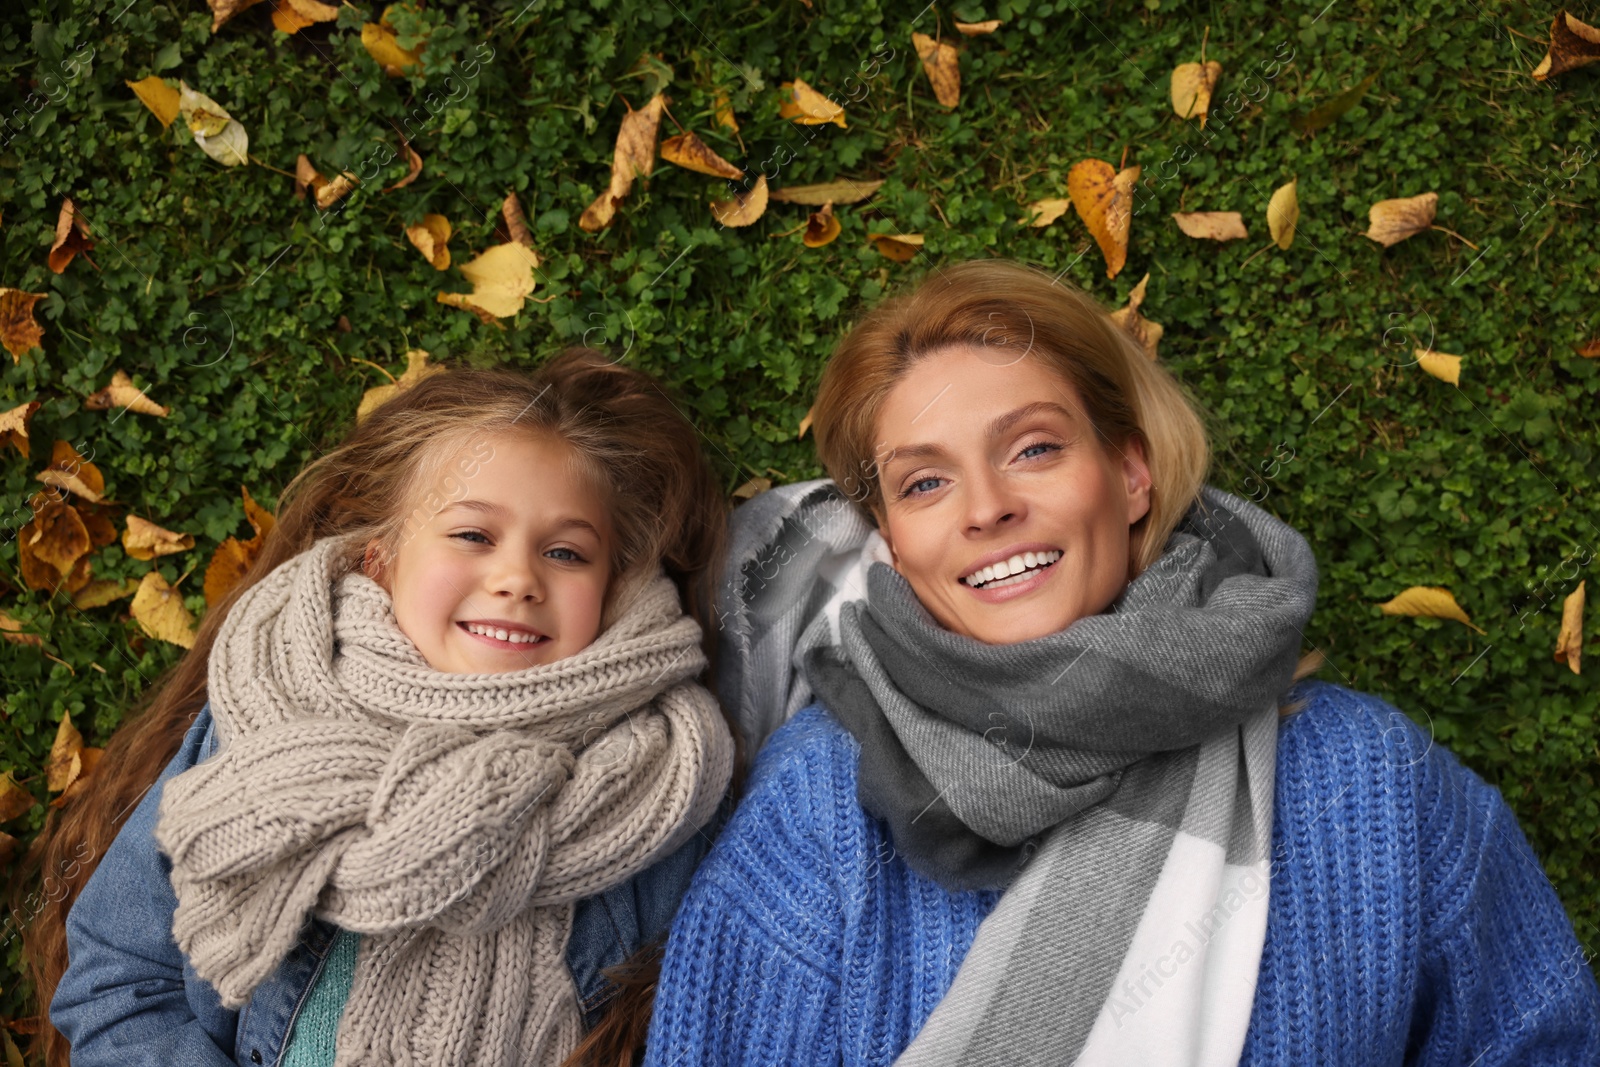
[(130, 996)]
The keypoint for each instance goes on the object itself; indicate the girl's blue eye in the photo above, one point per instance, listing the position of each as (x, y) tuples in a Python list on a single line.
[(467, 534), (575, 558)]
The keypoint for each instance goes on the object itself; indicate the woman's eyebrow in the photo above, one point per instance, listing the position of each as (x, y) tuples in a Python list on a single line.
[(998, 426)]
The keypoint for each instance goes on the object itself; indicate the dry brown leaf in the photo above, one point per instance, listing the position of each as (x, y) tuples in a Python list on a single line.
[(1212, 225), (88, 759), (1103, 198), (431, 237), (292, 16), (808, 107), (978, 29), (331, 192), (1392, 221), (805, 423), (18, 332), (1283, 213), (942, 63), (633, 157), (821, 228), (745, 207), (1429, 600), (724, 113), (14, 425), (900, 247), (502, 276), (1141, 329), (122, 393), (158, 96), (145, 540), (51, 545), (1192, 86), (62, 766), (234, 557), (414, 161), (417, 368), (14, 800), (8, 852), (70, 471), (379, 39), (1569, 645), (72, 236), (1589, 350), (754, 487), (97, 520), (689, 152), (223, 10), (11, 630), (103, 591), (158, 609), (306, 176), (1043, 212), (516, 221), (1573, 44), (845, 191), (1446, 368)]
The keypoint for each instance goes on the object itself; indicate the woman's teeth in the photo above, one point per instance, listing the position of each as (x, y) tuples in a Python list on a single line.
[(1010, 572), (514, 636)]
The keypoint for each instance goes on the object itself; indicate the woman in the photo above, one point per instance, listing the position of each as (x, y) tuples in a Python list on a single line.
[(1038, 801)]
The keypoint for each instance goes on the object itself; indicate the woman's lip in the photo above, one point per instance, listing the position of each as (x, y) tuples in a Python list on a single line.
[(990, 595), (507, 646)]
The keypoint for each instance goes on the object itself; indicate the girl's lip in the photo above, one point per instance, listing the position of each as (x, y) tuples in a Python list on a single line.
[(990, 595), (506, 646)]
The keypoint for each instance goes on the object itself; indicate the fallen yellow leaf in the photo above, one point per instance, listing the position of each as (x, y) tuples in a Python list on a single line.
[(809, 107), (103, 591), (805, 424), (329, 193), (431, 237), (292, 16), (1212, 225), (51, 546), (11, 630), (1392, 221), (14, 800), (234, 557), (159, 611), (1103, 198), (14, 425), (145, 540), (745, 207), (1444, 367), (1192, 86), (223, 10), (384, 47), (72, 237), (63, 764), (158, 96), (754, 487), (215, 131), (724, 113), (942, 63), (839, 192), (821, 228), (502, 277), (900, 247), (122, 393), (18, 332), (88, 760), (70, 471), (1427, 600), (417, 368), (689, 152), (1283, 214), (516, 222), (1569, 645), (634, 156), (413, 165), (1573, 44), (1141, 329), (1044, 212), (978, 29), (97, 520)]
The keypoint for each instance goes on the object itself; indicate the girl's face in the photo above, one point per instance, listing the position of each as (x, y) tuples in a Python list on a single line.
[(504, 562), (988, 464)]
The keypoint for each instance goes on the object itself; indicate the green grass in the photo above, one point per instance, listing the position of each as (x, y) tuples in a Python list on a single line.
[(224, 295)]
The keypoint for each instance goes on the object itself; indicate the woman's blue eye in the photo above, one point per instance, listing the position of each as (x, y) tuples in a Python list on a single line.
[(912, 489), (1048, 446)]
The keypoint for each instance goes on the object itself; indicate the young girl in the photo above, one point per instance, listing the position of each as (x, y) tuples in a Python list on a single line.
[(450, 758)]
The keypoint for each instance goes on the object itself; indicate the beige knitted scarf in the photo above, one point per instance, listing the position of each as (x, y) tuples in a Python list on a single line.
[(453, 819)]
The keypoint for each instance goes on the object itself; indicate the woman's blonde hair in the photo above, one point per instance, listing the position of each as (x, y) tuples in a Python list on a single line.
[(1013, 312)]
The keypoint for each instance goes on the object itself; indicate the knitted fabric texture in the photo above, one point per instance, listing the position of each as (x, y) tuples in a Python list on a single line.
[(455, 819)]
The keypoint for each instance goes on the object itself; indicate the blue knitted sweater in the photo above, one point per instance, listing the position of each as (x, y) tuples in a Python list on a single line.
[(1409, 922)]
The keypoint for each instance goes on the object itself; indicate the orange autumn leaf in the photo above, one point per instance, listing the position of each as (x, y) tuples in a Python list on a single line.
[(689, 152), (234, 557), (158, 609), (724, 113), (1192, 86), (942, 63), (978, 29), (122, 393), (1392, 221), (223, 10), (633, 157), (70, 471), (145, 540), (14, 800), (1103, 198), (14, 425), (900, 247), (384, 47), (52, 544), (63, 764), (808, 107), (1427, 600), (1569, 644), (292, 16), (18, 331), (11, 629), (1044, 212), (1141, 329), (414, 168), (745, 207), (516, 222), (821, 228), (88, 760), (431, 237)]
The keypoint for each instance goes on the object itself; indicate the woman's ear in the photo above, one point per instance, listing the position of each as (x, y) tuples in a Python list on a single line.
[(1136, 475)]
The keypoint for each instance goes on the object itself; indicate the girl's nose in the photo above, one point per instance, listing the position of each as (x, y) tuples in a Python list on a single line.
[(517, 579)]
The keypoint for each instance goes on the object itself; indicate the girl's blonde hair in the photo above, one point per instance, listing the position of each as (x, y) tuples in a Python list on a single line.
[(1015, 312), (665, 505)]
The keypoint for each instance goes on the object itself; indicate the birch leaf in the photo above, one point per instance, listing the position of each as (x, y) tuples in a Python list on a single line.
[(844, 191), (379, 39), (14, 800), (900, 247), (292, 16), (1569, 645), (1283, 213), (223, 10), (821, 228), (88, 759), (516, 222), (942, 63), (215, 131), (689, 152), (1573, 44), (14, 425), (52, 543), (1427, 600), (159, 611), (414, 168), (634, 156), (1192, 86), (145, 540), (331, 192), (103, 591), (70, 471), (501, 276), (234, 557), (1043, 212), (724, 113), (1103, 198), (63, 764), (122, 393), (72, 236), (417, 368), (809, 107), (431, 237), (158, 96), (1446, 368), (745, 207), (754, 487), (978, 29), (11, 629), (1392, 221), (1212, 225), (18, 331), (1141, 329)]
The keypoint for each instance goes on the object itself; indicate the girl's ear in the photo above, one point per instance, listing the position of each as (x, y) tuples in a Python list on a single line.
[(372, 563)]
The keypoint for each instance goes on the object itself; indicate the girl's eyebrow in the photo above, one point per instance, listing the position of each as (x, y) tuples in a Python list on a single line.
[(489, 507)]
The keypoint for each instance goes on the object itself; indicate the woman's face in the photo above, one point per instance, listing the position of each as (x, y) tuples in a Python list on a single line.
[(986, 465), (504, 564)]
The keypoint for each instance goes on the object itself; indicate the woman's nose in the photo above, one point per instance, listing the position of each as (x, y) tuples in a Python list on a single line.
[(990, 500)]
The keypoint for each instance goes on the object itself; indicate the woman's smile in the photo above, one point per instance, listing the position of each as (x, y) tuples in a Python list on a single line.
[(1019, 571)]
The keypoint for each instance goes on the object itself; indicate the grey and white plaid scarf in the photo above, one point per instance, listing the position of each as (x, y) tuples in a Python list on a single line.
[(1133, 750)]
